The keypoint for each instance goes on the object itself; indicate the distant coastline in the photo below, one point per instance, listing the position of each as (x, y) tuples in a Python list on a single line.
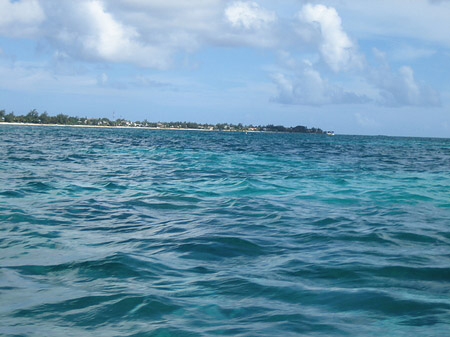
[(34, 118), (105, 126)]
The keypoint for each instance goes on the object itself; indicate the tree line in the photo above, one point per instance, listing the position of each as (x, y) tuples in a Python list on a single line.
[(34, 117)]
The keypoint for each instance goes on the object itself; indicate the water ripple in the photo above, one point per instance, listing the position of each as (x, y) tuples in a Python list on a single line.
[(115, 232)]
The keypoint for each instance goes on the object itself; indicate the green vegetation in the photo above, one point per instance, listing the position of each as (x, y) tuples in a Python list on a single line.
[(34, 117)]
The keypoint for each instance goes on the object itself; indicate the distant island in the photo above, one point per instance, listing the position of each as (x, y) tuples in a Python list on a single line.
[(33, 117)]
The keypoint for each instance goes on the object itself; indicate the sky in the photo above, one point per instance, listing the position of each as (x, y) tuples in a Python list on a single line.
[(356, 67)]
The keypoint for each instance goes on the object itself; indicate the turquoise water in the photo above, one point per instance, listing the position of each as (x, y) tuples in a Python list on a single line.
[(119, 232)]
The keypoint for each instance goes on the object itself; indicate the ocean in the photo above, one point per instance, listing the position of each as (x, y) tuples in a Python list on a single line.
[(136, 232)]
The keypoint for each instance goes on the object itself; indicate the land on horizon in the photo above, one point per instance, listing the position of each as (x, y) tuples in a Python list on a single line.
[(34, 118)]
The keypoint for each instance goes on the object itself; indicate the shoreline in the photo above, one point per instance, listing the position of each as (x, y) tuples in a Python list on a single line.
[(124, 127), (144, 127)]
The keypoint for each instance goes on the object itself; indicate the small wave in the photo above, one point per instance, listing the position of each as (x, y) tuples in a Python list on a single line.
[(12, 194), (158, 205), (414, 237), (98, 310), (114, 186), (119, 266), (412, 273), (81, 188), (38, 187), (219, 247)]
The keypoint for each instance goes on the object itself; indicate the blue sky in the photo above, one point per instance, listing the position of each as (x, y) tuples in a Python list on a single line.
[(356, 67)]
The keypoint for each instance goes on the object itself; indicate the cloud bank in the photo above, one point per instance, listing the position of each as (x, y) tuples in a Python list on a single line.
[(306, 86), (153, 33), (400, 88)]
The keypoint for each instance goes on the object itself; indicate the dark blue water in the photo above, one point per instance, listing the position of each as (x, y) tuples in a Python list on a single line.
[(119, 232)]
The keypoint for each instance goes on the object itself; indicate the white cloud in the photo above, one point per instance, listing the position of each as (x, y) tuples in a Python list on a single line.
[(20, 18), (400, 88), (338, 51), (171, 24), (248, 15), (307, 87), (90, 32), (145, 33)]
